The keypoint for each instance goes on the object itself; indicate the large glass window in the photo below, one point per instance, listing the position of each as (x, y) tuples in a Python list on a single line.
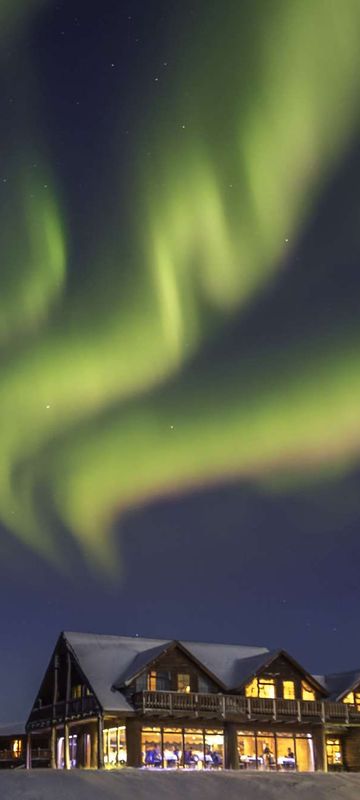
[(115, 747), (285, 744), (353, 698), (247, 750), (214, 749), (307, 692), (304, 753), (334, 753), (193, 748), (266, 749), (172, 747), (252, 689), (151, 747), (288, 690)]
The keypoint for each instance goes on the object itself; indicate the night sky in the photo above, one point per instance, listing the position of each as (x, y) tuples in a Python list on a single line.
[(179, 327)]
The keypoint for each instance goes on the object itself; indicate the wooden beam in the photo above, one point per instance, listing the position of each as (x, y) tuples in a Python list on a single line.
[(67, 762), (28, 751), (53, 759), (100, 728)]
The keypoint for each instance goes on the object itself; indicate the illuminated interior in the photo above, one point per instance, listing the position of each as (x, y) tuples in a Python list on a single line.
[(61, 751), (16, 748), (261, 687), (307, 693), (353, 698), (265, 750), (183, 682), (115, 747), (288, 690), (188, 748), (334, 752)]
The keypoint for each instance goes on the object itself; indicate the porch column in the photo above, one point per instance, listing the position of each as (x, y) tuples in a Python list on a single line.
[(28, 751), (53, 754), (133, 742), (230, 744), (67, 762), (319, 743), (100, 755), (94, 745)]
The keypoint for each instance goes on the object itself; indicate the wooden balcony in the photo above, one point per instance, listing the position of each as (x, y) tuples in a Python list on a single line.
[(240, 708), (74, 709)]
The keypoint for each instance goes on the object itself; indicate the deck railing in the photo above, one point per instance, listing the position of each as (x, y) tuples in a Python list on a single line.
[(76, 708), (243, 708)]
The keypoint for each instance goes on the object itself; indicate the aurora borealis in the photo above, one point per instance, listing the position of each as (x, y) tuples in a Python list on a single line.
[(102, 404)]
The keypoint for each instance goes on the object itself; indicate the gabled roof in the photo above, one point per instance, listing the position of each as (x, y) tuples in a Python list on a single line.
[(141, 660), (338, 684), (102, 659), (250, 667), (223, 660), (113, 661)]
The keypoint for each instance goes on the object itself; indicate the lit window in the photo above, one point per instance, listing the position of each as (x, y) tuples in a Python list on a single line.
[(252, 689), (183, 682), (357, 700), (262, 687), (76, 691), (350, 698), (307, 692), (151, 683), (266, 688), (16, 748), (333, 752), (288, 690)]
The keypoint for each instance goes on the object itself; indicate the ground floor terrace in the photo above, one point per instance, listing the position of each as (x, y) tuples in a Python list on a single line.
[(195, 745)]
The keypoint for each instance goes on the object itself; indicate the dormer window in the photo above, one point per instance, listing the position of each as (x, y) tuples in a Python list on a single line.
[(183, 682), (158, 681), (307, 693), (353, 698), (261, 687), (288, 690)]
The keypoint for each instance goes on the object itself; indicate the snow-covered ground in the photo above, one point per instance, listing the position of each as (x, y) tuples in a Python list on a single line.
[(141, 785)]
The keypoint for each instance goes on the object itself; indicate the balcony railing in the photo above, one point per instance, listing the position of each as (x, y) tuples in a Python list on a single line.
[(242, 708), (73, 709)]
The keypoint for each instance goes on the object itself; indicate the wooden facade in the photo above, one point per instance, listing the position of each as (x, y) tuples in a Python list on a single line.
[(165, 707)]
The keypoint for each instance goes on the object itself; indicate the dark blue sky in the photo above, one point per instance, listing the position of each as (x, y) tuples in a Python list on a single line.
[(234, 564)]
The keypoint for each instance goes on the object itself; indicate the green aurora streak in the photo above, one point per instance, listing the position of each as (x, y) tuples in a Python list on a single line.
[(97, 406)]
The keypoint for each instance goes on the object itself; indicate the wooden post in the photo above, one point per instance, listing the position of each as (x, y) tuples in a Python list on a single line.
[(100, 757), (231, 746), (67, 762), (28, 751), (94, 746), (133, 742), (53, 754), (68, 683), (319, 744)]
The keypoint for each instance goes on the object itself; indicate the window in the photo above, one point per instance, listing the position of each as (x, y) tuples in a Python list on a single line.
[(353, 698), (115, 747), (204, 686), (151, 682), (76, 691), (183, 682), (252, 689), (307, 693), (288, 690), (333, 753), (266, 688), (17, 748), (261, 687), (158, 681)]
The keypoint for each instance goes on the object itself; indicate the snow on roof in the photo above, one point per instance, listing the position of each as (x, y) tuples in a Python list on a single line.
[(340, 683), (225, 660), (12, 729), (111, 661), (103, 659)]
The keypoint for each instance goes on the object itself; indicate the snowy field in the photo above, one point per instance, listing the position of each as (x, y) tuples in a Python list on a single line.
[(140, 785)]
